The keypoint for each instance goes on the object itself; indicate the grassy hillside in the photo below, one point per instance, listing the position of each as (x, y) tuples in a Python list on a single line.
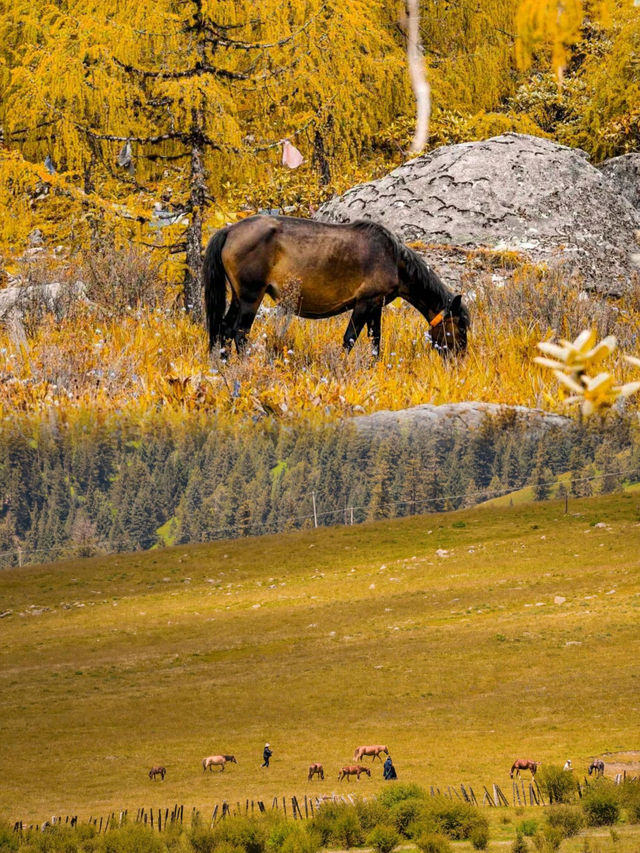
[(443, 636)]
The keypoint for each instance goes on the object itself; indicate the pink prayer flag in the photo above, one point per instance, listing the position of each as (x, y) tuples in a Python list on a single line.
[(291, 157)]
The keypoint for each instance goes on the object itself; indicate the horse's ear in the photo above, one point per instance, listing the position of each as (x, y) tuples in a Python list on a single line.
[(455, 305)]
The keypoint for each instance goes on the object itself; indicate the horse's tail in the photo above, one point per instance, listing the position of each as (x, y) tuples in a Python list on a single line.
[(214, 277), (204, 764), (356, 754)]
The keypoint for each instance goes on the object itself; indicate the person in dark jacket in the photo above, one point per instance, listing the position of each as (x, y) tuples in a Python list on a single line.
[(389, 771), (266, 754)]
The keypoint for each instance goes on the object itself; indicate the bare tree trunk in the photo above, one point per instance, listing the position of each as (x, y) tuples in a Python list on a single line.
[(419, 82), (197, 203)]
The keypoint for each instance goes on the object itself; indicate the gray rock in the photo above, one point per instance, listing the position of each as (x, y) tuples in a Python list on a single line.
[(456, 417), (50, 296), (623, 173), (512, 192)]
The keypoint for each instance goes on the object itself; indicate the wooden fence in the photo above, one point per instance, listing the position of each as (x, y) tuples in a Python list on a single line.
[(303, 808)]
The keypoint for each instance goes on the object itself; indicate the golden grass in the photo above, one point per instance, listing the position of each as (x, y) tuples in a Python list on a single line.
[(316, 642), (150, 359)]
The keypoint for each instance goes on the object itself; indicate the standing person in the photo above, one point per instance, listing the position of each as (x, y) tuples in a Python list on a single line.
[(266, 754), (389, 771)]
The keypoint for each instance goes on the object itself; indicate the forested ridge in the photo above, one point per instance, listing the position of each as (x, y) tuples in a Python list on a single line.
[(95, 489)]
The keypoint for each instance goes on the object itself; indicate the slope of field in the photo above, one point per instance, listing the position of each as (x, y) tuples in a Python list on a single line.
[(462, 641)]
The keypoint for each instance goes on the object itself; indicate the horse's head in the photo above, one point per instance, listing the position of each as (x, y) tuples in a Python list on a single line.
[(449, 328)]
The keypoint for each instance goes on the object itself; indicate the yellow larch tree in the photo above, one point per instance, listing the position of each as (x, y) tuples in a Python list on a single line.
[(135, 105)]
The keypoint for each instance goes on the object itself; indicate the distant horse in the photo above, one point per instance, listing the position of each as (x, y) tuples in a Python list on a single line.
[(217, 761), (157, 771), (353, 770), (322, 269), (361, 751), (597, 767), (316, 768), (524, 764)]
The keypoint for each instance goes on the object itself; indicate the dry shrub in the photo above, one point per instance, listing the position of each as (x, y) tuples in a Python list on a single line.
[(121, 280), (543, 299)]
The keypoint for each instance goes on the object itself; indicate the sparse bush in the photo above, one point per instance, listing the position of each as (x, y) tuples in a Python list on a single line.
[(292, 837), (347, 831), (480, 837), (129, 838), (9, 840), (558, 784), (242, 833), (328, 817), (601, 804), (433, 842), (383, 839), (630, 799), (567, 819), (398, 793), (404, 813), (528, 827), (453, 818), (371, 813), (519, 845)]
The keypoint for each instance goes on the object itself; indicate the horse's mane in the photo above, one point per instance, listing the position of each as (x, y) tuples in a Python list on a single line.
[(412, 267)]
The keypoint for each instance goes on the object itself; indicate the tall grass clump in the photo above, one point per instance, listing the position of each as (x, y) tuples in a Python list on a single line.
[(558, 784), (630, 799), (433, 842), (454, 819), (601, 803), (383, 839), (338, 825), (566, 818)]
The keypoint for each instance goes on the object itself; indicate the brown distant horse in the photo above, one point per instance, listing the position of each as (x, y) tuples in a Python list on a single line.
[(320, 270), (157, 771), (375, 751), (524, 764), (316, 768), (353, 770), (597, 766), (217, 761)]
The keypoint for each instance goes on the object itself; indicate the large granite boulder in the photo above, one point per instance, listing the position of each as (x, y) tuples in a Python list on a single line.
[(515, 193), (623, 173)]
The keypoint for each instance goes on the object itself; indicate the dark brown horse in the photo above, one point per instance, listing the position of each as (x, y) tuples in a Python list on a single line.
[(353, 770), (316, 768), (597, 767), (524, 764), (157, 771), (217, 761), (321, 270)]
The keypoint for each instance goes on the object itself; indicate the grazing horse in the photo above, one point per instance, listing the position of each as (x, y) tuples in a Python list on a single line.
[(321, 269), (316, 768), (157, 771), (597, 766), (217, 761), (524, 764), (353, 770), (369, 750)]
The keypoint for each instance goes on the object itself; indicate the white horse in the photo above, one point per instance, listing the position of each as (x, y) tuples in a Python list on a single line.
[(217, 761)]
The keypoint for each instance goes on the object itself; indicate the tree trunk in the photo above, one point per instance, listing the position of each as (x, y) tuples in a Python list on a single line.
[(419, 82), (197, 203)]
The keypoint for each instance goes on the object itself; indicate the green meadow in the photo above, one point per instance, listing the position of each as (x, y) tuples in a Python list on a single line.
[(461, 640)]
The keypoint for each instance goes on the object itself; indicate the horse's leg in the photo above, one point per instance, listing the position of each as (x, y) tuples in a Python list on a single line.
[(358, 318), (229, 326), (374, 325)]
